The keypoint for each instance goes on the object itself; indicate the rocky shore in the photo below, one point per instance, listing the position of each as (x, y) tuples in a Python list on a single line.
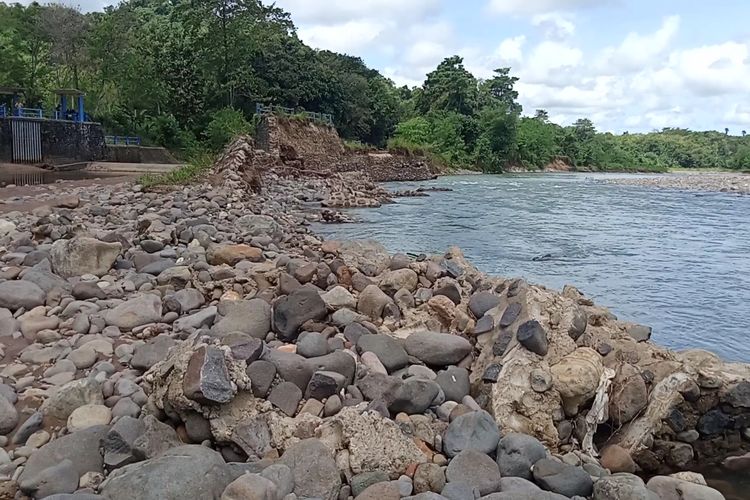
[(721, 182), (203, 343)]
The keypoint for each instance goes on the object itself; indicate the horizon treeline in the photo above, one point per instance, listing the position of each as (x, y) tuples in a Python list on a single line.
[(188, 74)]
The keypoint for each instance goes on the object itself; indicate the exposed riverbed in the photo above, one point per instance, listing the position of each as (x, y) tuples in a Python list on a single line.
[(672, 259)]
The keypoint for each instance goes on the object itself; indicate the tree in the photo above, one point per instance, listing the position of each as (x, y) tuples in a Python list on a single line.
[(499, 90), (67, 30), (541, 115), (726, 131), (450, 87), (744, 133)]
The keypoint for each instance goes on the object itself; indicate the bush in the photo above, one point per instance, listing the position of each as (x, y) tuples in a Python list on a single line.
[(198, 164), (226, 124)]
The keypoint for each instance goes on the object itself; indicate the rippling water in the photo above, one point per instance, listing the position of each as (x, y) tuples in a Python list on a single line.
[(677, 261)]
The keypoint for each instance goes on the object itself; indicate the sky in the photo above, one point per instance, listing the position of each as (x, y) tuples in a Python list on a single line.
[(634, 65)]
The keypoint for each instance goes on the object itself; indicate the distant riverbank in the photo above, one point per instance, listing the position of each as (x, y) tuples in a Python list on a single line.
[(721, 182)]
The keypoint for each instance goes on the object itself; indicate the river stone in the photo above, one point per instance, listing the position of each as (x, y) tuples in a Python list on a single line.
[(206, 379), (392, 281), (386, 348), (360, 482), (437, 349), (414, 396), (147, 355), (474, 468), (510, 315), (17, 294), (429, 477), (562, 478), (622, 486), (325, 384), (251, 487), (312, 345), (65, 399), (82, 255), (119, 443), (628, 395), (617, 459), (58, 478), (8, 416), (87, 416), (533, 337), (286, 397), (369, 256), (232, 255), (190, 471), (315, 472), (292, 311), (671, 488), (261, 375), (135, 312), (81, 449), (188, 299), (290, 367), (244, 347), (337, 361), (475, 430), (454, 382), (259, 225), (247, 316), (373, 302), (516, 453), (481, 302), (713, 422)]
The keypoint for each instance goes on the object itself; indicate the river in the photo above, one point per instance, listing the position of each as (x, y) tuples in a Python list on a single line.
[(676, 261)]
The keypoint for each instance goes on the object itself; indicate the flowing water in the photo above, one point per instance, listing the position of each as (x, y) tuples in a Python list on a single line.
[(676, 261)]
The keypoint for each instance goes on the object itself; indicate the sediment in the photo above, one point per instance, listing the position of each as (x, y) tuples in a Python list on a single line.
[(716, 182), (202, 342)]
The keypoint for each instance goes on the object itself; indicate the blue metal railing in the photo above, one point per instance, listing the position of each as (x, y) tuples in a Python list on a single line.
[(262, 109), (121, 139), (3, 111)]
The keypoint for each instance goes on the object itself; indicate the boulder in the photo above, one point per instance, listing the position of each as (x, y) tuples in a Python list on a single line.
[(671, 488), (617, 459), (475, 430), (8, 416), (314, 469), (17, 294), (190, 471), (481, 302), (628, 395), (369, 256), (292, 311), (437, 349), (207, 377), (65, 399), (252, 317), (517, 453), (622, 486), (392, 281), (135, 312), (373, 302), (474, 468), (339, 297), (251, 487), (414, 396), (576, 378), (386, 348), (562, 478), (231, 255), (455, 383), (87, 416), (533, 337), (82, 255)]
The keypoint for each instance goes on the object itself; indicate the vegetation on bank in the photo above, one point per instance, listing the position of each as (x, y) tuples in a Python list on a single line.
[(187, 75)]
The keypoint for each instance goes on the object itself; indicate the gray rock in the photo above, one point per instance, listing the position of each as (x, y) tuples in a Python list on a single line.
[(135, 312), (43, 277), (373, 302), (475, 430), (533, 337), (261, 375), (671, 488), (147, 355), (81, 449), (360, 482), (562, 478), (414, 396), (292, 311), (156, 438), (190, 471), (8, 416), (338, 361), (315, 472), (325, 384), (454, 382), (353, 332), (197, 427), (386, 348), (516, 488), (252, 317), (281, 476), (459, 491), (82, 255), (58, 478), (17, 294), (622, 486), (510, 315), (516, 453), (437, 349), (29, 427), (206, 378), (481, 302), (369, 256), (429, 477), (72, 395), (85, 290), (244, 347), (286, 397), (119, 443), (199, 319), (290, 367), (186, 300), (312, 344), (474, 468), (639, 332), (251, 487)]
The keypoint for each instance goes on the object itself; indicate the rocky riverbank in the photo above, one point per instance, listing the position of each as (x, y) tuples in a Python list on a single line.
[(721, 182), (203, 343)]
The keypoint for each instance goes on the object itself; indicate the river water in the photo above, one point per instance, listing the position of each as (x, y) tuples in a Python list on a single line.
[(676, 261)]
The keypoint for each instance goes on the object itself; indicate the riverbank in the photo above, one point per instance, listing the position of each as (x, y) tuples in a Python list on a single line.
[(708, 181), (215, 346)]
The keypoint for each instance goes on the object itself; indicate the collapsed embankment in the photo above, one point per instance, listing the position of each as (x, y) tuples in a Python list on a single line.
[(316, 146), (203, 343)]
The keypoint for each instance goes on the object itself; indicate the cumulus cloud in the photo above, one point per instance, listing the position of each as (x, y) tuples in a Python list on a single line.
[(554, 25), (531, 7), (638, 50), (347, 37), (341, 11)]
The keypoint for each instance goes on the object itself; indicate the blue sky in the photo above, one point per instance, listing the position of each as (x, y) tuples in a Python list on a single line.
[(634, 65)]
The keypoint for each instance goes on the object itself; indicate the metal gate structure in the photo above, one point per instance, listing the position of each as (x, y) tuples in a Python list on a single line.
[(27, 141)]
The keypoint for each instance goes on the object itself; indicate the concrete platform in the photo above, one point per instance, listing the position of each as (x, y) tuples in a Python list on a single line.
[(132, 168)]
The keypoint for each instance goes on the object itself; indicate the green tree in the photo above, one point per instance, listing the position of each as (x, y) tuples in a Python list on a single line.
[(449, 88)]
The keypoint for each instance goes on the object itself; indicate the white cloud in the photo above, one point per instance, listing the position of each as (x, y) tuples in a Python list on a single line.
[(638, 51), (347, 37), (510, 50), (531, 7), (738, 114), (341, 11), (554, 25)]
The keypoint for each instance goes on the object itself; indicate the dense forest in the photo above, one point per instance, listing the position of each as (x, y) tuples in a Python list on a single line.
[(187, 74)]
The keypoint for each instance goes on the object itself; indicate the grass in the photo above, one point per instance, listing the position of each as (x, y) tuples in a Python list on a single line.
[(357, 146), (199, 163), (681, 170)]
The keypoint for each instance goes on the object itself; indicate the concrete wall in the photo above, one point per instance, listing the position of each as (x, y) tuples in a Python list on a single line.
[(139, 154), (62, 141)]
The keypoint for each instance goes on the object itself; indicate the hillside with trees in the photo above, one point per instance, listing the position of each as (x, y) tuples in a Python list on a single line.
[(188, 74)]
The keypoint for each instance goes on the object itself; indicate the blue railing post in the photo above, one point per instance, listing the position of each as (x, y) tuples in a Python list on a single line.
[(81, 114)]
